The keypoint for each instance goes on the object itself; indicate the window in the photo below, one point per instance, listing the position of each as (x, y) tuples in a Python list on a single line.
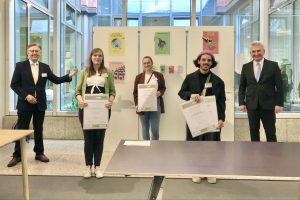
[(133, 6), (283, 48), (39, 30), (70, 15), (21, 30), (70, 54)]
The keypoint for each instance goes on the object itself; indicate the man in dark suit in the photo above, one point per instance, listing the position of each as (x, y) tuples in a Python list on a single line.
[(29, 83), (261, 93)]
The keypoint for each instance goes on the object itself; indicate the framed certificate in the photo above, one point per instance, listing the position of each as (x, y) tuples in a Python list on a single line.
[(95, 114), (201, 117), (147, 99)]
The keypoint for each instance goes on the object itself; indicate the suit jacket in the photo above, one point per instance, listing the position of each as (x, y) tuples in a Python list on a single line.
[(193, 85), (267, 92), (22, 84), (140, 79)]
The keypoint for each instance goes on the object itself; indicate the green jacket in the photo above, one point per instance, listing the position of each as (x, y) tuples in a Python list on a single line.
[(109, 84)]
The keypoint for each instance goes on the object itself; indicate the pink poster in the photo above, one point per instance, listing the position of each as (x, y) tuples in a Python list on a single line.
[(211, 41)]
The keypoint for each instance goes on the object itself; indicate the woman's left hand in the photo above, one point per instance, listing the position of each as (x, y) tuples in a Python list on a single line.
[(109, 104), (158, 93)]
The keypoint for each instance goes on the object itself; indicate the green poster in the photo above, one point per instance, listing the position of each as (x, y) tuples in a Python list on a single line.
[(162, 43)]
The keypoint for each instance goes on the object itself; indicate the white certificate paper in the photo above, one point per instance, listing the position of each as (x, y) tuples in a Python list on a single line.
[(147, 99), (201, 117), (95, 114)]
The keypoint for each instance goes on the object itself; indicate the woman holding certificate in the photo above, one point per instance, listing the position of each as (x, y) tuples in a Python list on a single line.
[(149, 87), (98, 80), (198, 85)]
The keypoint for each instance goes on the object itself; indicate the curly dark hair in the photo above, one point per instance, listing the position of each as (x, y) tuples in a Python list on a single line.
[(214, 62)]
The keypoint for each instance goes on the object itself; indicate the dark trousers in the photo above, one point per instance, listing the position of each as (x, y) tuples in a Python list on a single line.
[(268, 119), (23, 122), (213, 136), (93, 143)]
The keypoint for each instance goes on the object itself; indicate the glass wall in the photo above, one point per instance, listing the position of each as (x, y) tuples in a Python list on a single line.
[(34, 23), (39, 30), (284, 49), (71, 55)]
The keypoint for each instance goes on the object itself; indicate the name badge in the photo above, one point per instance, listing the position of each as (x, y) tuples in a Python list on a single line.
[(44, 74), (104, 75), (208, 85)]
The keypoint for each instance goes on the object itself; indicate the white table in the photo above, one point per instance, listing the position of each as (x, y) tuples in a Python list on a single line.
[(8, 136)]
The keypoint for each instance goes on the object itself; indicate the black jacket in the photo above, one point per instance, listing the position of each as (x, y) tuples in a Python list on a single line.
[(267, 92), (193, 85), (22, 84)]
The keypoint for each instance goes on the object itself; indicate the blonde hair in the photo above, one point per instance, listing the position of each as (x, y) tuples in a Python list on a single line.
[(33, 45)]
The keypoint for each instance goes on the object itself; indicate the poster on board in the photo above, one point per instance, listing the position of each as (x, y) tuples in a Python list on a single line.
[(118, 69), (162, 43), (211, 41), (116, 44)]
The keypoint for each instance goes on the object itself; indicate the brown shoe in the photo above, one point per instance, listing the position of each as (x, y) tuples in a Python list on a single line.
[(42, 158), (14, 161)]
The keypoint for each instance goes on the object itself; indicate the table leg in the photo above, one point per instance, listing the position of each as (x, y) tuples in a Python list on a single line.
[(155, 187), (24, 169), (299, 192)]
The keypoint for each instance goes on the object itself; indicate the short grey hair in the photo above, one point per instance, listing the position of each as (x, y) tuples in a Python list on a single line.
[(257, 43)]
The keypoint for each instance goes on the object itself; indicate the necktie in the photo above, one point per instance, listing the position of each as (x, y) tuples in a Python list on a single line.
[(35, 72), (258, 72)]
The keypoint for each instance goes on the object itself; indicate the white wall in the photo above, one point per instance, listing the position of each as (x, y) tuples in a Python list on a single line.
[(224, 69), (185, 45), (124, 121)]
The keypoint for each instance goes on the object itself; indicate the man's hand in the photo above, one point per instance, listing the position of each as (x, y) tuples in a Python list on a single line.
[(220, 124), (31, 99), (243, 108), (278, 109), (73, 72), (158, 93)]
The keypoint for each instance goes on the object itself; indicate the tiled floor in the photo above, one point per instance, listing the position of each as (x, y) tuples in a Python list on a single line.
[(66, 159)]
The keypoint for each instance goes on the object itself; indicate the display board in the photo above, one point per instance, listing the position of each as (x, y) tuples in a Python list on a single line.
[(221, 40), (120, 47), (173, 50)]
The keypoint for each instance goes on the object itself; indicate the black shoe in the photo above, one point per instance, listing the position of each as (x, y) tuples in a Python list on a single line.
[(42, 158), (14, 161)]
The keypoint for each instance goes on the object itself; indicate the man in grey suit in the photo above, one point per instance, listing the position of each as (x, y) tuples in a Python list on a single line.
[(261, 93)]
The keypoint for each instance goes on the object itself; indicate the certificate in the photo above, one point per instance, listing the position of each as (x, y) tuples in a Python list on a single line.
[(95, 114), (147, 99), (201, 117)]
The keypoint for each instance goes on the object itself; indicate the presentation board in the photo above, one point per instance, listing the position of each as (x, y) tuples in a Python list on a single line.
[(173, 50)]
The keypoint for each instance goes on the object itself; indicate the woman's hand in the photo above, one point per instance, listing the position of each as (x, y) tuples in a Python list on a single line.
[(109, 104), (196, 97), (137, 109), (158, 94), (82, 104)]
